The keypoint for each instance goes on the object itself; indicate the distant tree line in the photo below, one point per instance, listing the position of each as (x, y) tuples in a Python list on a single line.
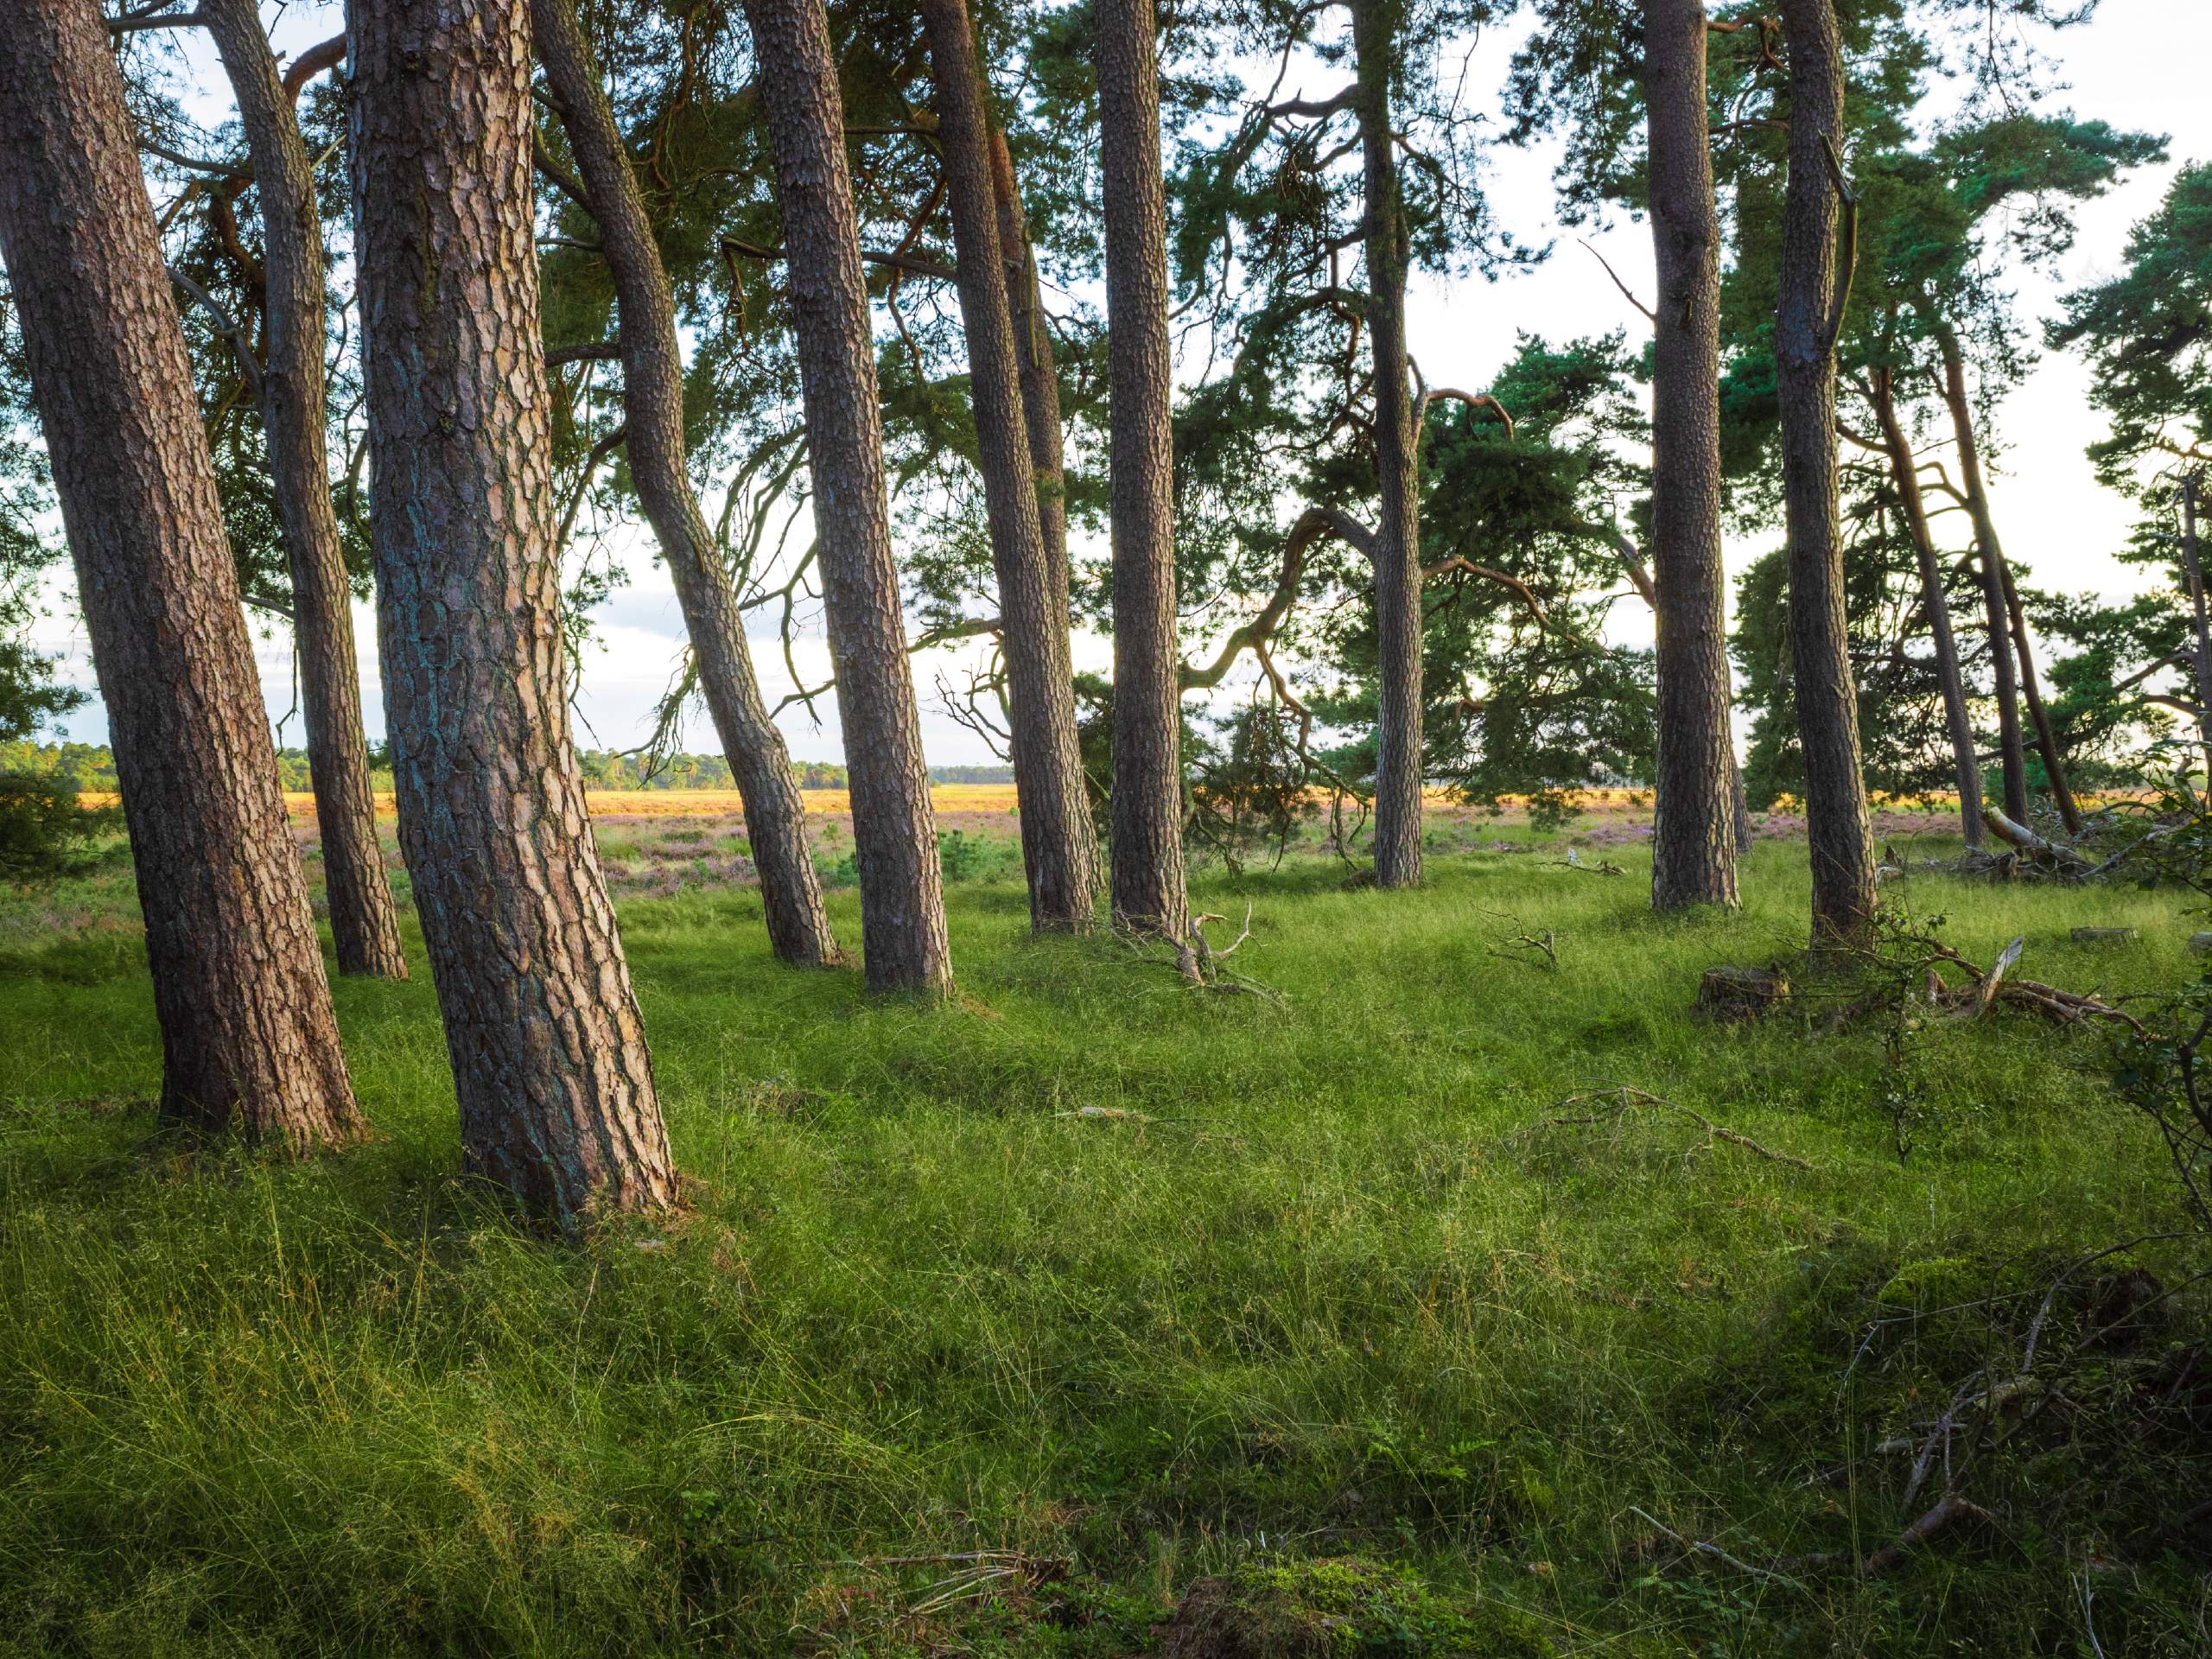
[(90, 768)]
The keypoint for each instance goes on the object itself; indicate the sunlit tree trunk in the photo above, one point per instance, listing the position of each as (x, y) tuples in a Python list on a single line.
[(1060, 848), (1397, 524), (652, 408), (894, 839), (1693, 836), (1040, 384), (248, 1040), (364, 919), (556, 1096), (1837, 822), (1147, 805)]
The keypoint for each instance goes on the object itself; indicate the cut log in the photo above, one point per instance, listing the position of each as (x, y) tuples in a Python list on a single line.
[(1731, 995), (2104, 936), (2201, 944)]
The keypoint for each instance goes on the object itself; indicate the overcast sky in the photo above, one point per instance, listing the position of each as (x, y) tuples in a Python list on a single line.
[(2140, 65)]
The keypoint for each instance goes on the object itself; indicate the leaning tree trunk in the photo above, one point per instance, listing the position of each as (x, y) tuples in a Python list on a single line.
[(364, 919), (2062, 792), (1040, 383), (2006, 617), (1060, 849), (1397, 523), (894, 838), (1806, 321), (1904, 470), (248, 1040), (1146, 804), (1694, 835), (556, 1096), (652, 406), (2010, 744)]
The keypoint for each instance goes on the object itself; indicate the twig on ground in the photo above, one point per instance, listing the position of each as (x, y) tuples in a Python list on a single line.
[(1523, 945), (1714, 1553), (1625, 1099), (1573, 861)]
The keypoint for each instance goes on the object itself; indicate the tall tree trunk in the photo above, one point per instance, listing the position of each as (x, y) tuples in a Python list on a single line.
[(2006, 617), (558, 1103), (1040, 383), (1397, 523), (248, 1040), (1147, 806), (894, 837), (1694, 834), (1740, 803), (364, 919), (2201, 623), (1904, 470), (2054, 760), (1059, 847), (2010, 744), (1810, 304), (652, 405)]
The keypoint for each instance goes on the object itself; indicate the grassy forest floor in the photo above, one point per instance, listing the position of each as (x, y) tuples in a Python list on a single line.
[(1005, 1328)]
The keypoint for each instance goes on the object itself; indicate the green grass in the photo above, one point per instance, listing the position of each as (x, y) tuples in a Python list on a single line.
[(1330, 1288)]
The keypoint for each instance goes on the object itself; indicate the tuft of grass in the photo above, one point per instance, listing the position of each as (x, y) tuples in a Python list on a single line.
[(1319, 1282)]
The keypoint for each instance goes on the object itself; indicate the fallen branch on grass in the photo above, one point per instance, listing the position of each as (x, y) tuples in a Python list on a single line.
[(1196, 959), (1987, 988), (1714, 1553), (1573, 861), (1625, 1100), (2012, 833), (1523, 946), (1947, 1512)]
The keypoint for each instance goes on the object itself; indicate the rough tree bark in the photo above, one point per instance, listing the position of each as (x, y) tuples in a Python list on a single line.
[(558, 1103), (1639, 577), (894, 837), (1397, 524), (1904, 471), (2200, 623), (1147, 805), (1059, 847), (364, 919), (1040, 383), (248, 1040), (1806, 322), (1694, 835), (653, 407)]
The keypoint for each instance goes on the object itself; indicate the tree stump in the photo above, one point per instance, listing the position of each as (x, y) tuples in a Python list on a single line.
[(2201, 944), (1732, 995)]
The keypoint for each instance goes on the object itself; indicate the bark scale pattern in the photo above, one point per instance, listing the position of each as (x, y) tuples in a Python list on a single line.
[(653, 407), (894, 837), (557, 1095), (1040, 380), (1837, 824), (1060, 849), (248, 1040), (1147, 805), (1693, 837), (364, 919), (1397, 524)]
